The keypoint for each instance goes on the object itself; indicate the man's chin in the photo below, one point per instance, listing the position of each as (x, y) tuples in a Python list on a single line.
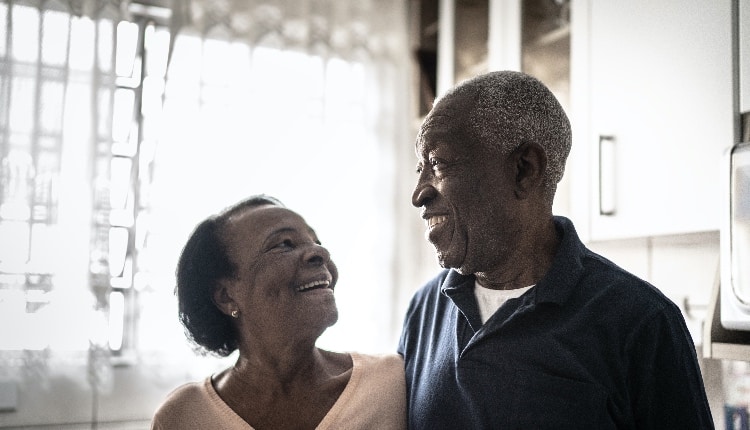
[(451, 261)]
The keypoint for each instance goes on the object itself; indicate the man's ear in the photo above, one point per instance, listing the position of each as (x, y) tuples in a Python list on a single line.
[(531, 163), (222, 297)]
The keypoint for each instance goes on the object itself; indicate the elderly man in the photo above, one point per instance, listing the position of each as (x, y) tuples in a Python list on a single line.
[(526, 328)]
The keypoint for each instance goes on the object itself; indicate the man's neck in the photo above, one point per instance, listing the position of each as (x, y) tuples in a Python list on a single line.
[(528, 265)]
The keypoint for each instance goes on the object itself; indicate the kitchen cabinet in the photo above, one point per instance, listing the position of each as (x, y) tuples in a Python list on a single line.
[(744, 56), (650, 96), (652, 90), (453, 40)]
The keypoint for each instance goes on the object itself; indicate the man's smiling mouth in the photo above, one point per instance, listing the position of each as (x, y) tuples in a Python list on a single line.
[(435, 220)]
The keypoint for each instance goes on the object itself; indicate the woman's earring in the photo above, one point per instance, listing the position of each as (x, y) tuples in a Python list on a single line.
[(235, 313)]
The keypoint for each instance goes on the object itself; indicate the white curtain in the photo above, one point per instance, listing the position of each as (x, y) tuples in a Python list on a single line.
[(123, 125), (59, 75), (57, 80), (306, 100), (110, 156)]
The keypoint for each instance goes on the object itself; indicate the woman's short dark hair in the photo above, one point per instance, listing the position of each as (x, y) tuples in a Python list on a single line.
[(203, 263)]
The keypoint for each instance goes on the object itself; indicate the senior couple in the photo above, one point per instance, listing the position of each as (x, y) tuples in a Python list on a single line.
[(524, 328)]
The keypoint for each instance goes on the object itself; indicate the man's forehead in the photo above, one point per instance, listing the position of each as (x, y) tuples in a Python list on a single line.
[(439, 123), (442, 128), (452, 109)]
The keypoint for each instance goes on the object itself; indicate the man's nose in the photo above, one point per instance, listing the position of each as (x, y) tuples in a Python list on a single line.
[(423, 192)]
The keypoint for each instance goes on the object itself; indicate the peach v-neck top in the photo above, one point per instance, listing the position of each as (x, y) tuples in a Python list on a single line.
[(375, 397)]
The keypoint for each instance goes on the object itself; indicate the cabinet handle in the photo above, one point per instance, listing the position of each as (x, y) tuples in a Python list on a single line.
[(607, 175)]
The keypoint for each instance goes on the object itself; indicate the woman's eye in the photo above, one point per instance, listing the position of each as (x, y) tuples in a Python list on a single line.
[(285, 244)]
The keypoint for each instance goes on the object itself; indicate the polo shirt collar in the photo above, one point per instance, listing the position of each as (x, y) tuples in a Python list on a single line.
[(567, 266), (556, 286)]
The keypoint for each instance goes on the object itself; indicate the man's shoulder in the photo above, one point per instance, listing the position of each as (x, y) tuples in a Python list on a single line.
[(605, 279), (432, 287), (429, 299), (437, 280)]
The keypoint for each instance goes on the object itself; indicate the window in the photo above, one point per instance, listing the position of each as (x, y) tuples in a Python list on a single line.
[(117, 137), (71, 90), (44, 70)]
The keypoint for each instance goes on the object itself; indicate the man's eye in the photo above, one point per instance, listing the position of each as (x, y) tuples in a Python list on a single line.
[(419, 169)]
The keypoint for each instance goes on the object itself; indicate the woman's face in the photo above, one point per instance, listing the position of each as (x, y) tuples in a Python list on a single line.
[(284, 280)]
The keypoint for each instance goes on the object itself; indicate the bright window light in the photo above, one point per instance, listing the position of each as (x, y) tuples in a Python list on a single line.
[(25, 34), (127, 40), (55, 37), (116, 320)]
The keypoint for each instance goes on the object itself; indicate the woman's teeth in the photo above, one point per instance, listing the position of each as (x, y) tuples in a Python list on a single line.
[(314, 284)]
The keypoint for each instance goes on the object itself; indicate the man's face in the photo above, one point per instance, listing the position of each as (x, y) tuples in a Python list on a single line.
[(465, 191)]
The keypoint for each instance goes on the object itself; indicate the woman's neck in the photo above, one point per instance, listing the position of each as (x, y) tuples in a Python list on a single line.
[(295, 391)]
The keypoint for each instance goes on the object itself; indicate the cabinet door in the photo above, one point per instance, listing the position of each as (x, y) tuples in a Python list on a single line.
[(652, 84), (744, 48)]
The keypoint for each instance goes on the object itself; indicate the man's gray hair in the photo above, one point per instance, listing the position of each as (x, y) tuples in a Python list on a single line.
[(512, 108)]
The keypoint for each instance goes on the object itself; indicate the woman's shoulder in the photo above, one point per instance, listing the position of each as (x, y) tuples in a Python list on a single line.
[(184, 398), (189, 390), (378, 362)]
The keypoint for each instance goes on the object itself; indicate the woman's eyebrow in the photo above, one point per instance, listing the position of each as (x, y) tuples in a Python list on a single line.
[(284, 230), (278, 232)]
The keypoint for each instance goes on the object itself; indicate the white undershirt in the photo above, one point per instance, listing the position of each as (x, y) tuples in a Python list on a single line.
[(490, 300)]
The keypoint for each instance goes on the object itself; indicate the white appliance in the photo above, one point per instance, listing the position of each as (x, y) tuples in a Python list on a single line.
[(735, 240)]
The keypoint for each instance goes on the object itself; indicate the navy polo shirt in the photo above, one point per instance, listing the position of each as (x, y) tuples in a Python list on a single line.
[(591, 346)]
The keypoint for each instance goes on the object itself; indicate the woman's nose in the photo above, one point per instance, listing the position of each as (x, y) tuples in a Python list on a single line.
[(316, 255)]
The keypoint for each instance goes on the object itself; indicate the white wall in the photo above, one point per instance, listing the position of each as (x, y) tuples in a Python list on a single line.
[(54, 392)]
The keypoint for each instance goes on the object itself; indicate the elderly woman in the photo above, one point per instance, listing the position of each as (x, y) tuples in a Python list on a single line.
[(255, 278)]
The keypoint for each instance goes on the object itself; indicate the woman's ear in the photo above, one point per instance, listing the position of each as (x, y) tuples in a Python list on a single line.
[(531, 163), (222, 298)]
